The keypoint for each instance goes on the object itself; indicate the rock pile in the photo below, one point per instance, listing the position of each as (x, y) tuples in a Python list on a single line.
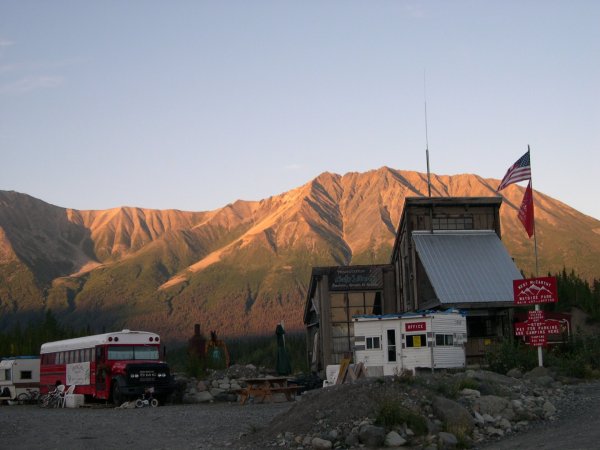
[(218, 385), (441, 411)]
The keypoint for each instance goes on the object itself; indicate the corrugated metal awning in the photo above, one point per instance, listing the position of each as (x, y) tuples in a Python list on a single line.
[(467, 266)]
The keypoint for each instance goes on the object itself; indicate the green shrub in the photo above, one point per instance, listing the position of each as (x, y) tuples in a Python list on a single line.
[(391, 413), (578, 357), (509, 355)]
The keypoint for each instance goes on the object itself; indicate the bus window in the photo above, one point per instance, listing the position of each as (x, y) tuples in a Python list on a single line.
[(146, 353), (99, 354), (120, 352)]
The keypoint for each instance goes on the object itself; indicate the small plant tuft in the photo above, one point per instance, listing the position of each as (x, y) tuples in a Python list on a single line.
[(392, 413)]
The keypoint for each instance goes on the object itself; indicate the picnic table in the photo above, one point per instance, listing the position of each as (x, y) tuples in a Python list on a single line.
[(264, 388)]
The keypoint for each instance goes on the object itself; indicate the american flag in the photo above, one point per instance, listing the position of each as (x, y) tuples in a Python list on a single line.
[(519, 171)]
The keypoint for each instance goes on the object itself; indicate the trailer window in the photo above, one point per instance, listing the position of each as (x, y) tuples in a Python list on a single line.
[(416, 340), (7, 375), (25, 374), (373, 342), (444, 339)]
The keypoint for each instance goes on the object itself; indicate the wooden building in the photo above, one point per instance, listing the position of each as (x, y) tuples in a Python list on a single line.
[(335, 295), (447, 255)]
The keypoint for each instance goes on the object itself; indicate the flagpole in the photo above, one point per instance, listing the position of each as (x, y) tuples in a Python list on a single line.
[(426, 137), (537, 268)]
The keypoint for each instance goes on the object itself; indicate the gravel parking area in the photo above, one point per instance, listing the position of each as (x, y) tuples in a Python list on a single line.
[(217, 425)]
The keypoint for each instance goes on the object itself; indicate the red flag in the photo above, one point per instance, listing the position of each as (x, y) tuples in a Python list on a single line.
[(526, 210)]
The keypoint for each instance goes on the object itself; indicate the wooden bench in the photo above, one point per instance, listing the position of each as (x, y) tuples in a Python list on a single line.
[(264, 388), (289, 391)]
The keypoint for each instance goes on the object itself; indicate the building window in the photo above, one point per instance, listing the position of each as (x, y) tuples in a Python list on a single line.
[(416, 340), (373, 342), (453, 222), (344, 305), (444, 339)]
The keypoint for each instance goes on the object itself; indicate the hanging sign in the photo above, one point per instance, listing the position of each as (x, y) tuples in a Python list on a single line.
[(349, 278), (535, 290)]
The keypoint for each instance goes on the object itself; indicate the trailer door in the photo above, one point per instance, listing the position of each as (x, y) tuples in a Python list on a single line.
[(392, 350)]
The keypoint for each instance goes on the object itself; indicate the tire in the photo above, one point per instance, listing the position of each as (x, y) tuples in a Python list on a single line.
[(154, 403), (43, 400), (23, 398), (139, 403), (117, 397)]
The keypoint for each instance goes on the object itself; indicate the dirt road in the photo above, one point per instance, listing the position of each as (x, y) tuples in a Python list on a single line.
[(215, 425)]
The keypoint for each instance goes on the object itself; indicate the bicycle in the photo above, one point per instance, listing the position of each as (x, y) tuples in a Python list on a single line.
[(51, 399), (29, 397), (147, 399)]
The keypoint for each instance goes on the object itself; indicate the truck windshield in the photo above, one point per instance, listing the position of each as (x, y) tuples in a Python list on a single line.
[(123, 352)]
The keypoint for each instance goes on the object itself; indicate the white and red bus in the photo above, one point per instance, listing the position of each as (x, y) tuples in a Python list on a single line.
[(112, 366)]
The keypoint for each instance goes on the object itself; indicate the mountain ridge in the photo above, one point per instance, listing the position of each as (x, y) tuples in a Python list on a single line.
[(243, 267)]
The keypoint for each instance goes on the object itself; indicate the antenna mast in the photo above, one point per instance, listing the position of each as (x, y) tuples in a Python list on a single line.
[(426, 136)]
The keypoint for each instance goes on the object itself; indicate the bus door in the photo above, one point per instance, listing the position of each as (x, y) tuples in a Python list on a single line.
[(101, 370)]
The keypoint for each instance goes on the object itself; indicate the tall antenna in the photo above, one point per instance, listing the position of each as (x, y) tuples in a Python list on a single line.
[(426, 136)]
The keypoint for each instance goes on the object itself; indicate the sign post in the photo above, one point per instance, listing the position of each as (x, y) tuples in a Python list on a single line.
[(534, 291)]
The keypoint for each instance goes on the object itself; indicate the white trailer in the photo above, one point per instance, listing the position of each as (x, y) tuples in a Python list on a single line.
[(18, 375), (393, 343)]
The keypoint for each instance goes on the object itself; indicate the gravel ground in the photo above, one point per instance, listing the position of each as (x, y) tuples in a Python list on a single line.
[(221, 425), (577, 427), (217, 425)]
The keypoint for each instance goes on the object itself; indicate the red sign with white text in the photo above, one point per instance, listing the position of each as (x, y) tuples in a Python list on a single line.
[(535, 290), (415, 326)]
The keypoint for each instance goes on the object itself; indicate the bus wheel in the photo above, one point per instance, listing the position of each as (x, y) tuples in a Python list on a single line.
[(116, 394)]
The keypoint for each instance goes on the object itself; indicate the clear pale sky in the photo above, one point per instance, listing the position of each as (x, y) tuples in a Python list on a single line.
[(195, 104)]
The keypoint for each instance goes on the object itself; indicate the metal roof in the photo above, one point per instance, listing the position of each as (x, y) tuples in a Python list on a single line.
[(467, 266)]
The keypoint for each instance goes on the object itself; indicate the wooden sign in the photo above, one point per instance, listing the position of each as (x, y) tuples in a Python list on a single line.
[(537, 328), (535, 290)]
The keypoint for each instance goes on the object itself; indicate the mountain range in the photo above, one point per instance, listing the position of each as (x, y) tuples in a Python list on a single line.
[(242, 268)]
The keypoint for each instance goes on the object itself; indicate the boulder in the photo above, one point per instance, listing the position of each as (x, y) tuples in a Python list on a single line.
[(544, 380), (321, 444), (352, 440), (447, 440), (537, 372), (393, 439), (371, 435), (514, 373), (549, 409), (457, 418), (494, 406), (492, 377), (198, 397), (470, 393)]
